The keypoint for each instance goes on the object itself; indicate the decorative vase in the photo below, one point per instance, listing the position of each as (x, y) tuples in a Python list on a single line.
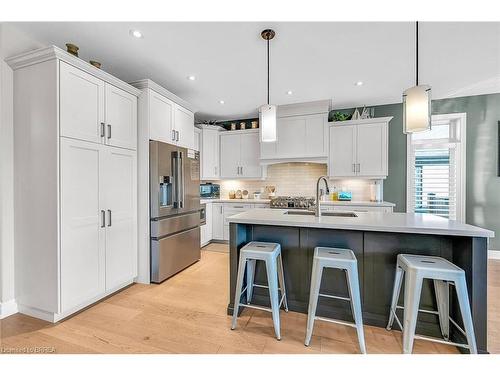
[(72, 48)]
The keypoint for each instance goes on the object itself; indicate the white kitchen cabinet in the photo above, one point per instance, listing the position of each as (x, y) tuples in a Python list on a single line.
[(81, 104), (68, 177), (218, 221), (121, 118), (359, 148), (302, 137), (95, 111), (166, 117), (119, 191), (302, 134), (98, 220), (342, 160), (206, 230), (82, 232), (184, 127), (231, 209), (239, 155), (209, 152), (161, 118)]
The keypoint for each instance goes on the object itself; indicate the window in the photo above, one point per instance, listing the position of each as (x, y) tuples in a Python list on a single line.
[(436, 168)]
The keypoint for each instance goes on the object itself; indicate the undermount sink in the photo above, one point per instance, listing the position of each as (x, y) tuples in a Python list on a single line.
[(311, 213)]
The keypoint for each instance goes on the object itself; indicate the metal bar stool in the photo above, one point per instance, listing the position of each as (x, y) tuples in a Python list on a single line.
[(443, 273), (344, 259), (270, 253)]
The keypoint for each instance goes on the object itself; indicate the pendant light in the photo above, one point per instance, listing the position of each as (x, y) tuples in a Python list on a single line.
[(417, 103), (267, 112)]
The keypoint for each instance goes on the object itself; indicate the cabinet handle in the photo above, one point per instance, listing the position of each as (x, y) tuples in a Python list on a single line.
[(109, 213), (359, 167), (177, 137), (173, 135), (103, 219), (354, 168), (241, 170), (109, 131), (221, 209), (237, 170), (103, 130)]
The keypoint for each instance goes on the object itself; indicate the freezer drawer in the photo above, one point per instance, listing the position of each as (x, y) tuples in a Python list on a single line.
[(172, 254)]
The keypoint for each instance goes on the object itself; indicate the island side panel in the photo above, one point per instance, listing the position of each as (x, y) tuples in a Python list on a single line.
[(471, 254), (380, 255)]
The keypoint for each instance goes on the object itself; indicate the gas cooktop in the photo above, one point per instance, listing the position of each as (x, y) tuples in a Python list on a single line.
[(292, 202)]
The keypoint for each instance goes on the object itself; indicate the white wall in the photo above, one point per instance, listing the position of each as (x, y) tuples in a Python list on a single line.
[(11, 42)]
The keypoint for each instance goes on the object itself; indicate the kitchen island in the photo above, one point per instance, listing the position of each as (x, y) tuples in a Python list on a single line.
[(376, 239)]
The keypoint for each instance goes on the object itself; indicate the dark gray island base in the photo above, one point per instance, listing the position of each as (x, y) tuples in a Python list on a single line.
[(376, 253)]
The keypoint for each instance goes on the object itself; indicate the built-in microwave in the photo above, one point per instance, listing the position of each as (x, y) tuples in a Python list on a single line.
[(209, 190)]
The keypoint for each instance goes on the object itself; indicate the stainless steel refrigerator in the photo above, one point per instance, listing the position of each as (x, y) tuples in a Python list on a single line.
[(175, 209)]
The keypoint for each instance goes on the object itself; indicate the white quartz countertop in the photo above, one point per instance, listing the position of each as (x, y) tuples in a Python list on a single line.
[(323, 203), (365, 221), (241, 201)]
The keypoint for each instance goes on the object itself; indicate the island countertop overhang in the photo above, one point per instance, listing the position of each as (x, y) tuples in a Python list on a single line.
[(365, 221)]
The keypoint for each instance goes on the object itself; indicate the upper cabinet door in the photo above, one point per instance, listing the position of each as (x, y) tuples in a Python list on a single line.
[(209, 154), (184, 127), (119, 191), (230, 155), (121, 118), (81, 112), (161, 118), (316, 137), (250, 156), (82, 231), (291, 136), (342, 158), (372, 150)]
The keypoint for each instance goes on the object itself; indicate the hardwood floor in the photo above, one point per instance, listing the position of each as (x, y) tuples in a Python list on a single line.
[(187, 314)]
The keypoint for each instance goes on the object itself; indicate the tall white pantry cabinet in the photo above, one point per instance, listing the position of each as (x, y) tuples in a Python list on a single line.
[(75, 181)]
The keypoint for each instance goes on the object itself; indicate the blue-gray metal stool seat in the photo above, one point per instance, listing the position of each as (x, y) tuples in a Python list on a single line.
[(270, 253), (415, 268), (343, 259)]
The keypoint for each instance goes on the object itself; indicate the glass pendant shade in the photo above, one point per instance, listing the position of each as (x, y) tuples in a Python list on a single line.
[(267, 117), (417, 109)]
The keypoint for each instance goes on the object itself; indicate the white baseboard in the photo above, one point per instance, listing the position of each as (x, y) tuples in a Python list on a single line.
[(8, 308), (493, 254)]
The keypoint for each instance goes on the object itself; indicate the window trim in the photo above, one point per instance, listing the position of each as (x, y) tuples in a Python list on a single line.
[(461, 163)]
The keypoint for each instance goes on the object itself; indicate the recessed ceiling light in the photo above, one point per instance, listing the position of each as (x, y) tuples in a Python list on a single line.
[(359, 83), (289, 92), (191, 78), (136, 34), (221, 101)]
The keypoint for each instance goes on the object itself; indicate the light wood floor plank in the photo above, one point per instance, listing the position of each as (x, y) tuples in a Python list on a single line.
[(187, 314)]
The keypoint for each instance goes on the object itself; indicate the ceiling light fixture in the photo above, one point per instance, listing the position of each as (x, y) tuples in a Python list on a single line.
[(136, 34), (290, 92), (267, 112), (417, 102), (191, 78), (221, 101), (359, 83)]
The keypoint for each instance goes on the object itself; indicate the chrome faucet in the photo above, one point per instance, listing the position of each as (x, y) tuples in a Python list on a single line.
[(318, 197)]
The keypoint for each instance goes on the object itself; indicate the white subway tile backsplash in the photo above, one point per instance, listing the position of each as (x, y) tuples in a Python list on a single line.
[(296, 179)]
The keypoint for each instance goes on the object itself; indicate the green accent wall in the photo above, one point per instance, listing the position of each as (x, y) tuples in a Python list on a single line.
[(482, 182)]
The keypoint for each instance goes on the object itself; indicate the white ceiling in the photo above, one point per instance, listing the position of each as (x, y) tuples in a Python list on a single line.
[(315, 60)]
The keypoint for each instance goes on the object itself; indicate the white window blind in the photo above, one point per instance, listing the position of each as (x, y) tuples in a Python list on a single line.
[(435, 169)]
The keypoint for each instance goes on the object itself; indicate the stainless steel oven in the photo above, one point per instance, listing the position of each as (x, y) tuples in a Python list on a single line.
[(174, 208)]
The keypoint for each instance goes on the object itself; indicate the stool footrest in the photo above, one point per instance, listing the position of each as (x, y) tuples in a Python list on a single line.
[(257, 307), (334, 297), (441, 341), (336, 321), (421, 310)]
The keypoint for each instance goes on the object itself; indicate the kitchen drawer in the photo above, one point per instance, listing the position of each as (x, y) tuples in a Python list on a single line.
[(238, 206)]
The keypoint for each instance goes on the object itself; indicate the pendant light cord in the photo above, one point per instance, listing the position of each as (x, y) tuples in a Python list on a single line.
[(268, 71), (416, 55)]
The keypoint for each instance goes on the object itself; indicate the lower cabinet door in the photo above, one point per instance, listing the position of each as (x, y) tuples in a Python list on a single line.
[(119, 191), (82, 234), (217, 221)]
